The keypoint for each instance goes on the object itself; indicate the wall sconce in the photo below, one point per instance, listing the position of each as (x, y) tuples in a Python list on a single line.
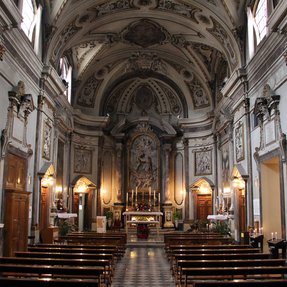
[(204, 188), (47, 180), (226, 190), (80, 187), (59, 189), (238, 183)]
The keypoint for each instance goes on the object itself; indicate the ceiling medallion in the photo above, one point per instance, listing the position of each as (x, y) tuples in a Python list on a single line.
[(145, 33)]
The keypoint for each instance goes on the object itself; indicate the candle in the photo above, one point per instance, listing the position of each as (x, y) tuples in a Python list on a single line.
[(127, 199), (132, 196), (154, 197), (149, 194), (276, 235), (136, 194), (272, 235), (158, 199)]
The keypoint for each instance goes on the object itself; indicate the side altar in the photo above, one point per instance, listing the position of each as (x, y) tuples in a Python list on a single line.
[(133, 218)]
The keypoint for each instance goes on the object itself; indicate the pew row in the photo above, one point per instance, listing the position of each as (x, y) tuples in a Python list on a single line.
[(43, 282), (242, 283), (189, 274)]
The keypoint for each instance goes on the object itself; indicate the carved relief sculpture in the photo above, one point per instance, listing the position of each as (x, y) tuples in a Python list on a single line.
[(239, 143), (82, 161), (47, 132), (225, 162), (203, 162)]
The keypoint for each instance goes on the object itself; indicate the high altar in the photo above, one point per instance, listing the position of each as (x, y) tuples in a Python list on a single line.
[(144, 208), (143, 217)]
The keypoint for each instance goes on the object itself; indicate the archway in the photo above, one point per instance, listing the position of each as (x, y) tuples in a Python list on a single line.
[(238, 201), (84, 203), (203, 198), (271, 199)]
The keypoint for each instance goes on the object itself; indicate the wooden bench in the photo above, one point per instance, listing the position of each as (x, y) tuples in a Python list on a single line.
[(190, 274), (61, 255), (96, 273), (215, 257), (242, 283), (105, 248), (210, 240), (43, 282)]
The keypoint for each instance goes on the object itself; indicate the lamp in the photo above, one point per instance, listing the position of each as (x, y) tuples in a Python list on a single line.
[(238, 183)]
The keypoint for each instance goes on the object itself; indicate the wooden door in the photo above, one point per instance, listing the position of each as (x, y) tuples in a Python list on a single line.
[(16, 204), (204, 206), (16, 221), (242, 213), (88, 210), (44, 212)]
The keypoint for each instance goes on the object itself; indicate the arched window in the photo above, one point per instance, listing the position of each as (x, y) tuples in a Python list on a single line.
[(28, 17), (66, 76), (31, 22), (257, 15)]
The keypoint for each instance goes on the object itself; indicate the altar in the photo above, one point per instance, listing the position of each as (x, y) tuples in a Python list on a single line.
[(142, 217)]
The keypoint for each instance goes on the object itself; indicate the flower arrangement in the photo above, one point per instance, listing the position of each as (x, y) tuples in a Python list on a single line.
[(142, 231), (143, 206)]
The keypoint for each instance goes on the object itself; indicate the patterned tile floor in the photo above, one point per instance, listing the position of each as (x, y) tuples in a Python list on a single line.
[(143, 266)]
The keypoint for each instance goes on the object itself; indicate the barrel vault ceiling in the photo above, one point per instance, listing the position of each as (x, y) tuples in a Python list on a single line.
[(176, 53)]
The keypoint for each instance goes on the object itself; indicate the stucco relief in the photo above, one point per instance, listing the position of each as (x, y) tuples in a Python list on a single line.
[(203, 162), (82, 161), (47, 134), (239, 143), (88, 93), (198, 93)]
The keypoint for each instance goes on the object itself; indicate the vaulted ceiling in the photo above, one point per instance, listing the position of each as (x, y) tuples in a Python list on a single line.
[(179, 50)]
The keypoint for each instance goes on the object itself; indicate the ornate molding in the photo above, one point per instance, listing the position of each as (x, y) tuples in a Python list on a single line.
[(2, 52)]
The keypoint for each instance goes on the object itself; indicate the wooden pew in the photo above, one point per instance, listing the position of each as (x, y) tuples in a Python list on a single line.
[(104, 248), (189, 247), (96, 273), (69, 256), (60, 262), (43, 282), (242, 283), (210, 240), (215, 257), (119, 241), (190, 274), (216, 250)]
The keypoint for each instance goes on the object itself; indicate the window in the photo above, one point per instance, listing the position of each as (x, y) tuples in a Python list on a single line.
[(31, 24), (66, 75), (28, 17), (261, 19), (257, 15)]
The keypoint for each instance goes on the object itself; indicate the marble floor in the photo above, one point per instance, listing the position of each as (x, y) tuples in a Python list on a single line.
[(143, 266)]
